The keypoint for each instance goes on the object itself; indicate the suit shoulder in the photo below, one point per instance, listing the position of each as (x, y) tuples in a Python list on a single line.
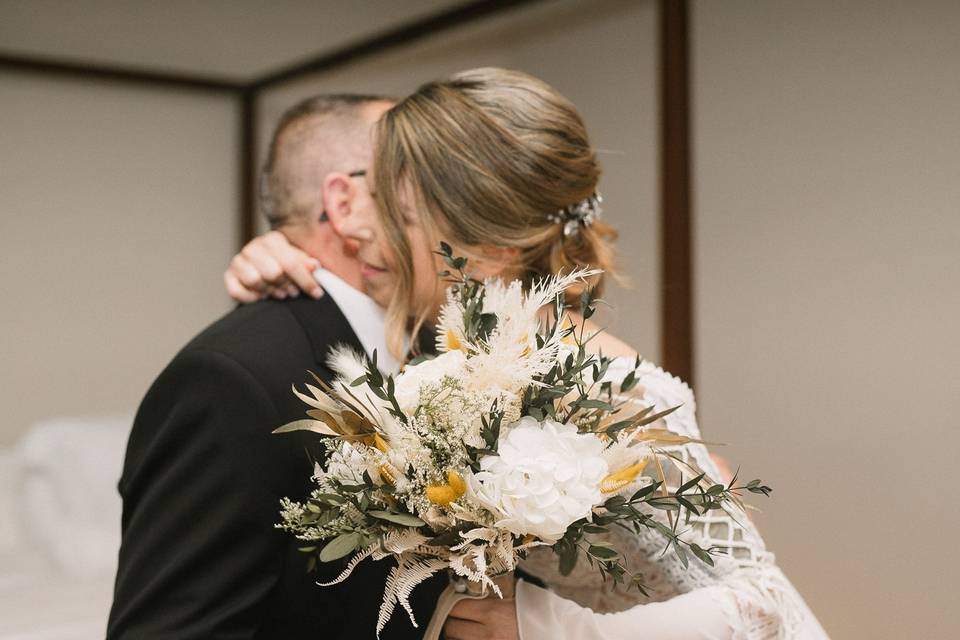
[(233, 331), (270, 339), (268, 328)]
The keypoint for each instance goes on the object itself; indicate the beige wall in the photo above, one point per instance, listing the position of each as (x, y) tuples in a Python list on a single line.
[(117, 216), (827, 178), (602, 55)]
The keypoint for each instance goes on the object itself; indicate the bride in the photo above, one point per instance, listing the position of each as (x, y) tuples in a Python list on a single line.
[(498, 164)]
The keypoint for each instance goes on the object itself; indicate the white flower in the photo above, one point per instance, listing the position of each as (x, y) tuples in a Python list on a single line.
[(545, 477), (428, 373), (346, 464), (508, 360)]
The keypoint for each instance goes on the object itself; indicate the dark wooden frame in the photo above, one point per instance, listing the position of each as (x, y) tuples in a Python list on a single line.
[(675, 216), (676, 225)]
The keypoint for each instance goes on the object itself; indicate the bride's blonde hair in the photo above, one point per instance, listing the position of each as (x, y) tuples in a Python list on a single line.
[(489, 156)]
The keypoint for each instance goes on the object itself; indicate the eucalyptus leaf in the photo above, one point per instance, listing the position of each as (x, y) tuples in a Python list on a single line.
[(615, 501), (715, 490), (690, 483), (645, 491), (701, 554), (568, 560), (359, 381), (688, 505), (664, 504), (604, 553), (340, 546), (590, 403), (404, 519)]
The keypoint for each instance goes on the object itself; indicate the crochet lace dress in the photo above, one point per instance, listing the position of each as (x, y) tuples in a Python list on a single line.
[(744, 596)]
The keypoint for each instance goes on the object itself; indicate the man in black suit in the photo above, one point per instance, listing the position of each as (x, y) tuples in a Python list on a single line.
[(203, 475)]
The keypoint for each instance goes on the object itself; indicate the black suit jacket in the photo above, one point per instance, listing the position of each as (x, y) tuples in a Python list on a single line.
[(201, 484)]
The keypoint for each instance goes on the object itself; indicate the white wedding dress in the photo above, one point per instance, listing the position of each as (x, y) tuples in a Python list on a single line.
[(744, 596)]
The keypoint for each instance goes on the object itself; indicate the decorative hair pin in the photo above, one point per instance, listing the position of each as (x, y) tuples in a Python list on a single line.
[(582, 213)]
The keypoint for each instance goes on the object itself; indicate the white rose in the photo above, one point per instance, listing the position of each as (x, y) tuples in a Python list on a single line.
[(429, 372), (545, 477)]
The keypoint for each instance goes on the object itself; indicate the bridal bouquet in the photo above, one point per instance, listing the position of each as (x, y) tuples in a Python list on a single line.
[(511, 438)]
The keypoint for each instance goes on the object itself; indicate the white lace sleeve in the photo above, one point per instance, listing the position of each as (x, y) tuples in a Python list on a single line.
[(744, 596)]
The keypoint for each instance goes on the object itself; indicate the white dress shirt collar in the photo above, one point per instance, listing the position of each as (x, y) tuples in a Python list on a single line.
[(365, 316)]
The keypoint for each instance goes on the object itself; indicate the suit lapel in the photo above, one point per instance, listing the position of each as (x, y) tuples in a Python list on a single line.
[(325, 326)]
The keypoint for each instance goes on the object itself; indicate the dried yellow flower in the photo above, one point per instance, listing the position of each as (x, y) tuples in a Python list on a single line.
[(619, 479), (453, 342), (444, 494)]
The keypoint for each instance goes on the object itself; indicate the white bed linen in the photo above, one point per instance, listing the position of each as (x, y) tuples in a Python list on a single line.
[(38, 604), (60, 531)]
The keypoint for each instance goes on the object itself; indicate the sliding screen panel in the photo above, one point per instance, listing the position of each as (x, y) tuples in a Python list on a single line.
[(827, 183), (117, 218)]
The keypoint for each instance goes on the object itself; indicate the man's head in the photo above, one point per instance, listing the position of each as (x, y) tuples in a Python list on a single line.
[(307, 188)]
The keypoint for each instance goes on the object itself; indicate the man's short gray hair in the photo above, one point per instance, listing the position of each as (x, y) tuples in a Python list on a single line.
[(302, 151)]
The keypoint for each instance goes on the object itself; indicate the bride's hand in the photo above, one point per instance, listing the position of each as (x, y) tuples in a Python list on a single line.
[(269, 266), (487, 619)]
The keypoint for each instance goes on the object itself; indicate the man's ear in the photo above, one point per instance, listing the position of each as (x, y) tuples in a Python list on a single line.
[(337, 196)]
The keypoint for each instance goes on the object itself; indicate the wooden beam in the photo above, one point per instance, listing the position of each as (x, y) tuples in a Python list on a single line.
[(405, 34), (248, 166), (128, 75), (676, 229)]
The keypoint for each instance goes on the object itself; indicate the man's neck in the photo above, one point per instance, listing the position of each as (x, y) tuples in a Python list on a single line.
[(326, 247)]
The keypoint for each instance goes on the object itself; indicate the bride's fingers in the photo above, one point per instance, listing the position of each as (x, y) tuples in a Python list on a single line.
[(299, 270), (279, 293), (297, 265), (458, 629), (283, 289), (247, 274), (262, 259), (237, 291), (471, 609), (491, 617)]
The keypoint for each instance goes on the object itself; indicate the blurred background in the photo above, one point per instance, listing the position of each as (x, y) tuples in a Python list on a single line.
[(785, 177)]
